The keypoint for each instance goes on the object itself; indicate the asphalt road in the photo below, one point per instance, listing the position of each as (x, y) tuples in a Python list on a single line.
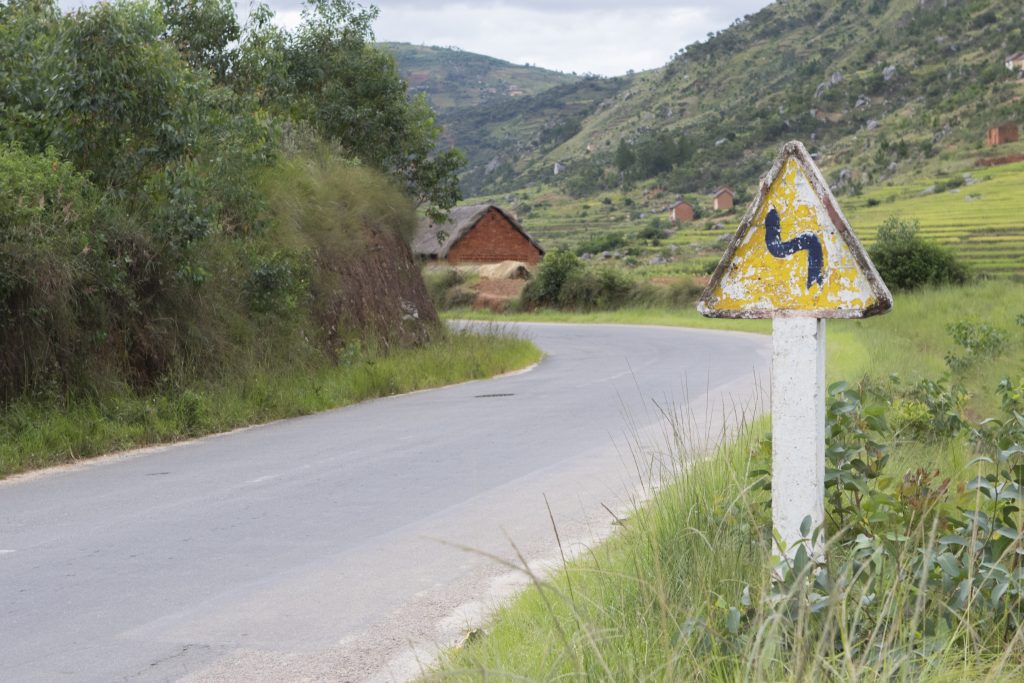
[(334, 546)]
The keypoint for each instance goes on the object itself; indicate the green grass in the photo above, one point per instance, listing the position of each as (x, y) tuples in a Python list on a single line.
[(910, 341), (653, 602), (674, 317), (35, 434)]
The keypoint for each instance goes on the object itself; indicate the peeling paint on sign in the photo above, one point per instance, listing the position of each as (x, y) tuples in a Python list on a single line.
[(794, 254)]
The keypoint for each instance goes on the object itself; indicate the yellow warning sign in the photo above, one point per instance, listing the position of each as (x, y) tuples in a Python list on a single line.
[(794, 253)]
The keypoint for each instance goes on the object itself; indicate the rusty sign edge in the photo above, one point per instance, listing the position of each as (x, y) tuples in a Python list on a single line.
[(796, 150)]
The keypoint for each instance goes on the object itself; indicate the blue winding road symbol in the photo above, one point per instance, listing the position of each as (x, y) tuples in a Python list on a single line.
[(804, 241)]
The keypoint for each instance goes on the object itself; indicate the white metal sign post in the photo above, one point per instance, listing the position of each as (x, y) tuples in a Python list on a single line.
[(795, 259)]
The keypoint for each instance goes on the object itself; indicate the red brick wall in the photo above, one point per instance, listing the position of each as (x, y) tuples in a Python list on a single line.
[(493, 239), (682, 213), (723, 201), (1002, 134)]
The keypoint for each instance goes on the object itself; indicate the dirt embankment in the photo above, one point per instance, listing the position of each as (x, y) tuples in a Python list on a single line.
[(497, 295), (376, 294)]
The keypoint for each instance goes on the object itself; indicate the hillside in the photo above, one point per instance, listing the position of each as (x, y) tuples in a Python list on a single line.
[(875, 88), (454, 79), (497, 112)]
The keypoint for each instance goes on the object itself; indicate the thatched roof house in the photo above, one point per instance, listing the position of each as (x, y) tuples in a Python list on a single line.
[(478, 233)]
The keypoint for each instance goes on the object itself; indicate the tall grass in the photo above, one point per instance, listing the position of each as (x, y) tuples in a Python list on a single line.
[(689, 591), (685, 593), (39, 433)]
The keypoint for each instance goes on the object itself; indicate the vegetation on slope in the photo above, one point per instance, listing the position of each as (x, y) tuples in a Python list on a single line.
[(186, 200), (875, 88), (453, 79)]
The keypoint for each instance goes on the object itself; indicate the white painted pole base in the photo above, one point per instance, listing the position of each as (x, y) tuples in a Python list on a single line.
[(798, 431)]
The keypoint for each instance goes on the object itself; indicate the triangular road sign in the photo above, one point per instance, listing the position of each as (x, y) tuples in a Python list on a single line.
[(794, 254)]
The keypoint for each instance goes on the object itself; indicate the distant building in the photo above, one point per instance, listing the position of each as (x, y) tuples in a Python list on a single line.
[(477, 233), (558, 168), (1000, 135), (1015, 62), (722, 200), (681, 212)]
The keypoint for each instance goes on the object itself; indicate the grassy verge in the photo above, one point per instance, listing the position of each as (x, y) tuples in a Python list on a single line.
[(35, 434), (675, 317), (684, 591), (911, 341)]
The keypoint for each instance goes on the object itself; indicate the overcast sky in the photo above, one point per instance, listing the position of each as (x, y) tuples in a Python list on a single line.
[(607, 37)]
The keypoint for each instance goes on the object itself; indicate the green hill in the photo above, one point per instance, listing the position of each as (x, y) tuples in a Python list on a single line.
[(871, 86), (884, 93), (454, 79)]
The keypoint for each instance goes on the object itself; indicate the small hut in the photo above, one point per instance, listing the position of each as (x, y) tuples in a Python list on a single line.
[(1000, 135), (723, 199), (477, 233), (681, 212)]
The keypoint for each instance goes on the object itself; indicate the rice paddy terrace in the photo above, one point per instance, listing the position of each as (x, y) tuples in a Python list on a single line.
[(979, 215), (976, 212)]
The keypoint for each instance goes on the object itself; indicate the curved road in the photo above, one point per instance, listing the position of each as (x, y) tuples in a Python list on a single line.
[(334, 546)]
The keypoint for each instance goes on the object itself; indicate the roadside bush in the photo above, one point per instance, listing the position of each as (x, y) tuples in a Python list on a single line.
[(945, 554), (683, 293), (440, 283), (51, 268), (905, 260), (978, 341), (601, 288), (555, 269), (601, 243)]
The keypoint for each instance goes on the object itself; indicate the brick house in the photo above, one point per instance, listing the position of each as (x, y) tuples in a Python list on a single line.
[(680, 212), (1000, 135), (478, 233), (723, 198), (1015, 62)]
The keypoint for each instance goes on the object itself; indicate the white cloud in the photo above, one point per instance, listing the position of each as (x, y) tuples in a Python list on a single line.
[(597, 36), (607, 37)]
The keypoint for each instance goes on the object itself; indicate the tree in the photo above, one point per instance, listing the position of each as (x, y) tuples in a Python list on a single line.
[(203, 30), (625, 159), (905, 260), (351, 92)]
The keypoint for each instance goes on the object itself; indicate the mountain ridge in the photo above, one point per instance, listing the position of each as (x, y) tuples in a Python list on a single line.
[(867, 85)]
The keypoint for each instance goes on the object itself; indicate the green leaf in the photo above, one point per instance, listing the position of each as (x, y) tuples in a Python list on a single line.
[(998, 592), (953, 540), (949, 564), (732, 622), (805, 526), (838, 387)]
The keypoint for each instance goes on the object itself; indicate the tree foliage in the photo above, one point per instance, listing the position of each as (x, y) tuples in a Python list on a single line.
[(138, 147), (905, 260)]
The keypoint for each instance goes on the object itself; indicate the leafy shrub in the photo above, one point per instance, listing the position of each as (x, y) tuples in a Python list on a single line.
[(945, 554), (601, 243), (683, 293), (440, 282), (277, 284), (555, 269), (905, 260), (600, 288), (654, 229), (459, 296), (978, 341)]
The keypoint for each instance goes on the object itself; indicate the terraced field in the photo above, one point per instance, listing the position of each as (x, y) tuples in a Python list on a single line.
[(982, 220), (980, 217)]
